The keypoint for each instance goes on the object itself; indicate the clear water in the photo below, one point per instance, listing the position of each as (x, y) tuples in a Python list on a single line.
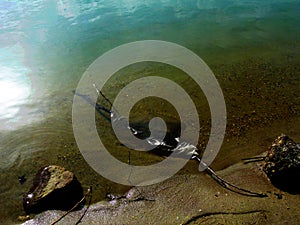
[(45, 46)]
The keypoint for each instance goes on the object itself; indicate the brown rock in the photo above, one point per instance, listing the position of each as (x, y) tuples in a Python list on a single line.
[(282, 164), (54, 187)]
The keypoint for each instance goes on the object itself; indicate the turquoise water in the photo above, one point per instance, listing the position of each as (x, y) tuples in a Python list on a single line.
[(45, 47)]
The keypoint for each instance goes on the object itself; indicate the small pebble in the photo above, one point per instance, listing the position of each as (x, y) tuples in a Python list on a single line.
[(24, 218), (22, 179), (279, 196)]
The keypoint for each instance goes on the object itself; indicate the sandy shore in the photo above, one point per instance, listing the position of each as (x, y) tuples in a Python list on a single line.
[(262, 98), (192, 199)]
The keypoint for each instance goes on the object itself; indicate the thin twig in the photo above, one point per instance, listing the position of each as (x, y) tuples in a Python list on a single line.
[(254, 159), (88, 206), (101, 93), (226, 184), (74, 207)]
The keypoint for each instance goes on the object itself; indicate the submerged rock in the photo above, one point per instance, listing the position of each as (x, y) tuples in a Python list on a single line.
[(282, 164), (54, 187)]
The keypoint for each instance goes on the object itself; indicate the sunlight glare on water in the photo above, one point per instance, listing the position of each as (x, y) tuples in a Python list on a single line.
[(15, 87)]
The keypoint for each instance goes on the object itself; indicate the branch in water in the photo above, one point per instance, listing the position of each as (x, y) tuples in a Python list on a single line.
[(194, 155)]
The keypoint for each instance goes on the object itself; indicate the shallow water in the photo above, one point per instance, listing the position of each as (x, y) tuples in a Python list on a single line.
[(45, 47)]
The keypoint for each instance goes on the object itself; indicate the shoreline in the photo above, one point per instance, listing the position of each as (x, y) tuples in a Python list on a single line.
[(191, 199), (247, 134)]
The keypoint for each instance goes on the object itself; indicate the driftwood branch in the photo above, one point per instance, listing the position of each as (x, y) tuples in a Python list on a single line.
[(192, 155), (228, 185)]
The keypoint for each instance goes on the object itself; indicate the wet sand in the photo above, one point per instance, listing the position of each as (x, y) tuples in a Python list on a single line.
[(192, 199), (262, 98)]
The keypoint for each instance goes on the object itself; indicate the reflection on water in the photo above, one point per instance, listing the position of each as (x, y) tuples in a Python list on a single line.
[(15, 88)]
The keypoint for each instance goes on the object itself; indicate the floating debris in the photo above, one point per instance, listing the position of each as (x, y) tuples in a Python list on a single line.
[(282, 164)]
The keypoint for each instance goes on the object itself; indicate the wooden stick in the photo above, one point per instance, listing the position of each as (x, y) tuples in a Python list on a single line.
[(228, 185), (254, 159), (210, 171), (74, 207), (88, 206)]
